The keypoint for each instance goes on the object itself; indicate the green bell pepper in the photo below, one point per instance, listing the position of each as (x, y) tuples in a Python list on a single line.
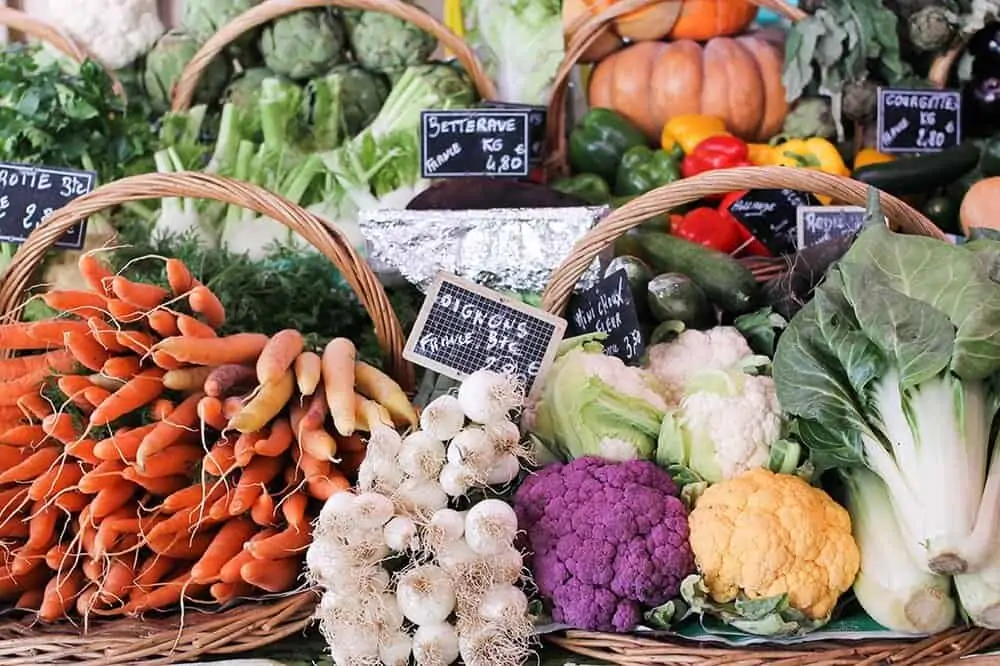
[(588, 187), (643, 169), (600, 140), (989, 158)]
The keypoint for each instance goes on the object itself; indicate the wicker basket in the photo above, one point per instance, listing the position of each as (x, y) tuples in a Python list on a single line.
[(185, 637), (271, 9), (26, 24), (635, 650)]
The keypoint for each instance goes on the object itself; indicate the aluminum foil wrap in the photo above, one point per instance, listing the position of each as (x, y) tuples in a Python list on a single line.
[(514, 249)]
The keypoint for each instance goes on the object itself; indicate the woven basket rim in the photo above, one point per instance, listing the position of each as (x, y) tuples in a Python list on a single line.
[(271, 9)]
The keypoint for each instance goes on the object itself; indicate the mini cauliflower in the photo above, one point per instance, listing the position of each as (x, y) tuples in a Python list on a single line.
[(608, 540), (115, 32), (674, 362), (774, 552)]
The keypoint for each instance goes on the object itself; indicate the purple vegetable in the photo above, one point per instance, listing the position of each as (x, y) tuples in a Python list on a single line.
[(607, 540)]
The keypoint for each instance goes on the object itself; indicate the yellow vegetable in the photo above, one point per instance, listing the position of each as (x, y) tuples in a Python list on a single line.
[(868, 156), (763, 534), (687, 131), (812, 153), (762, 154)]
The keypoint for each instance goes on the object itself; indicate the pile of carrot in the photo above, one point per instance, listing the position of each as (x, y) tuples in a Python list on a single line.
[(147, 462)]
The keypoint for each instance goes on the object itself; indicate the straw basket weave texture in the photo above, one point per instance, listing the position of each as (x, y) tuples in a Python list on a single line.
[(184, 637)]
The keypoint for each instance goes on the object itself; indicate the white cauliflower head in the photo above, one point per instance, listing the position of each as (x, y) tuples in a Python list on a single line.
[(115, 32), (673, 363)]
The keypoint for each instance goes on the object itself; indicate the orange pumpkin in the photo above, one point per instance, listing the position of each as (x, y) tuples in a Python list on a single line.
[(736, 79), (704, 19)]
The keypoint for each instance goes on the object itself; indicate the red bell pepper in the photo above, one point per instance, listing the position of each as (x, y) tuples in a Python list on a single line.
[(709, 227), (716, 152), (751, 246)]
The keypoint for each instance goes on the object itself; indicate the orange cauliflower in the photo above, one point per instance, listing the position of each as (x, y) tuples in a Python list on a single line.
[(767, 536)]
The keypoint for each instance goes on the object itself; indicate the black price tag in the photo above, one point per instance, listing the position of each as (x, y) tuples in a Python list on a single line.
[(608, 307), (537, 116), (820, 224), (918, 121), (463, 327), (474, 142), (29, 194), (772, 216)]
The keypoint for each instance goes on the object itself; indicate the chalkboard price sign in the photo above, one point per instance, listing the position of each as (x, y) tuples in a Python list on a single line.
[(463, 327), (918, 121), (474, 142), (819, 224), (772, 216), (608, 307), (29, 194), (537, 116)]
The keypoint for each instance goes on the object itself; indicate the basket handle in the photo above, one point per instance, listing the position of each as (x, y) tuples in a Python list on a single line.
[(29, 25), (658, 201), (271, 9), (205, 186)]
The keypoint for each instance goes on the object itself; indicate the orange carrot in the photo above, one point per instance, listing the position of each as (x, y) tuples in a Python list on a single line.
[(176, 459), (121, 367), (32, 466), (59, 360), (28, 336), (236, 348), (253, 480), (163, 323), (11, 455), (15, 389), (243, 449), (263, 511), (338, 383), (156, 485), (307, 372), (210, 413), (74, 387), (187, 379), (122, 445), (278, 355), (105, 334), (318, 443), (190, 327), (230, 379), (117, 580), (164, 360), (195, 494), (179, 277), (152, 571), (182, 420), (138, 294), (98, 478), (95, 395), (137, 392), (219, 511), (72, 501), (83, 449), (61, 427), (81, 303), (269, 401), (277, 441), (60, 594), (124, 312), (293, 508), (315, 414), (325, 487), (42, 528), (54, 480), (163, 596), (224, 593), (30, 600), (182, 546), (230, 573), (271, 575), (207, 304), (161, 408), (220, 459), (24, 435), (58, 555), (95, 273), (35, 405), (139, 342), (380, 387), (227, 544)]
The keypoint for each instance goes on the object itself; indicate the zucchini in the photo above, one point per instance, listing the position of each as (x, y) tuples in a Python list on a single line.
[(727, 283), (676, 297), (918, 175)]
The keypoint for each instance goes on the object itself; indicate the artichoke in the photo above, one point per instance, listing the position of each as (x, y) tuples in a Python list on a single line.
[(932, 28), (860, 100), (811, 116), (303, 44), (166, 61), (386, 44), (343, 102), (203, 18)]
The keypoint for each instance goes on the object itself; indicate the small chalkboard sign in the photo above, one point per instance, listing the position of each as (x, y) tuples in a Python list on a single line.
[(772, 216), (474, 142), (537, 116), (463, 327), (29, 194), (819, 224), (918, 121), (608, 307)]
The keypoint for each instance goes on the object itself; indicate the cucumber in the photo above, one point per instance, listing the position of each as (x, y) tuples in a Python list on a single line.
[(726, 282), (917, 175), (676, 297), (637, 272)]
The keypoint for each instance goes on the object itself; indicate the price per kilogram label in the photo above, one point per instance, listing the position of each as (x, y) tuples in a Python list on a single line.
[(918, 121), (463, 327), (820, 224), (474, 142), (772, 216), (537, 116), (608, 307), (28, 195)]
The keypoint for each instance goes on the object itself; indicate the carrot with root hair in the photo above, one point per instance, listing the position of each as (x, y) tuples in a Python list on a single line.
[(56, 361), (196, 494), (163, 323), (271, 575), (315, 414), (182, 420), (116, 581), (11, 455), (203, 301), (155, 485), (187, 379), (230, 379), (230, 572), (176, 459), (210, 413), (139, 342), (290, 542), (99, 477), (122, 445), (95, 395), (220, 459), (138, 392), (162, 408), (61, 427), (80, 303), (54, 480), (268, 403), (163, 596), (37, 336), (236, 348), (293, 508), (253, 481), (74, 388), (25, 435), (370, 414), (182, 546), (138, 294), (71, 501), (35, 405), (224, 593), (164, 360), (278, 439), (380, 387), (95, 273), (60, 594), (338, 383), (179, 277), (153, 570), (105, 334), (190, 327), (308, 371), (121, 367), (263, 511), (278, 355), (227, 544), (32, 466), (243, 449)]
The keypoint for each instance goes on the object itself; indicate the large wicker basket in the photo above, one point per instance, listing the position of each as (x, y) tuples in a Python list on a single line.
[(271, 9), (185, 637), (636, 650)]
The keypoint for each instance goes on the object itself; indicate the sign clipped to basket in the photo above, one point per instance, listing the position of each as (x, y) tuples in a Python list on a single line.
[(772, 216), (537, 116), (29, 194), (463, 327), (474, 142), (819, 224), (918, 121), (608, 307)]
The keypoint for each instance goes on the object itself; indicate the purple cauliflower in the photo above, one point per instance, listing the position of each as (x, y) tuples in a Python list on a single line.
[(607, 539)]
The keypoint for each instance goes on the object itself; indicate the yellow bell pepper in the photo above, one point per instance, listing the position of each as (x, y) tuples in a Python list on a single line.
[(689, 130), (814, 153), (868, 156), (762, 154)]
